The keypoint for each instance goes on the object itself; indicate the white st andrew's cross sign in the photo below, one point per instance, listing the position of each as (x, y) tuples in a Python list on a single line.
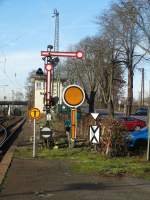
[(94, 131), (94, 134)]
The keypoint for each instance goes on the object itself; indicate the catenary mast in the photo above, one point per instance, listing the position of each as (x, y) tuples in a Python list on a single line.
[(56, 48)]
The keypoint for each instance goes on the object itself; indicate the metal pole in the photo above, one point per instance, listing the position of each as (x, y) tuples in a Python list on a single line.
[(76, 120), (59, 74), (34, 138), (73, 124), (141, 102), (143, 85), (148, 142)]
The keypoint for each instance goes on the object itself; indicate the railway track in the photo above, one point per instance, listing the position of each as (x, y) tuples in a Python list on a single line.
[(3, 134), (9, 129)]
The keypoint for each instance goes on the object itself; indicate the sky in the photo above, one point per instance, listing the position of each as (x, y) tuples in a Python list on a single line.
[(27, 27)]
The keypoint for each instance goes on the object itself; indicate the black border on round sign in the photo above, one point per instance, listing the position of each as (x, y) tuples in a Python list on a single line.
[(33, 117), (77, 86)]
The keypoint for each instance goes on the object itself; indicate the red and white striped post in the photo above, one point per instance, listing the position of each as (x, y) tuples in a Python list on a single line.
[(48, 68)]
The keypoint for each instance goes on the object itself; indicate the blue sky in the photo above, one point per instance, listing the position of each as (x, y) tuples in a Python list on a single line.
[(27, 27)]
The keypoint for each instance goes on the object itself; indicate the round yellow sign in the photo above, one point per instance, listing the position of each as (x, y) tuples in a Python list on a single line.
[(35, 113), (73, 96)]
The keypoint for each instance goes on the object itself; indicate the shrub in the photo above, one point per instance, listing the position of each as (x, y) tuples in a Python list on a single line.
[(112, 142)]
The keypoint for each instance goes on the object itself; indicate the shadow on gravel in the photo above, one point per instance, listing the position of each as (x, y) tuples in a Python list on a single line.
[(77, 187)]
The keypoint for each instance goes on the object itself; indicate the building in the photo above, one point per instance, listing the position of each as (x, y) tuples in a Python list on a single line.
[(39, 90)]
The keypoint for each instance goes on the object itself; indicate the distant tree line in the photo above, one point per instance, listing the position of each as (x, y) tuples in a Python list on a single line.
[(30, 89), (122, 43)]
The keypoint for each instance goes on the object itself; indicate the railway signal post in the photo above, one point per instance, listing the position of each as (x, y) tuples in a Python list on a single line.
[(52, 60), (34, 115)]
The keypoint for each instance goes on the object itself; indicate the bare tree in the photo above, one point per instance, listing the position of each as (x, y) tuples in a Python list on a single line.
[(142, 10), (96, 73), (121, 22), (112, 66), (30, 89), (84, 71)]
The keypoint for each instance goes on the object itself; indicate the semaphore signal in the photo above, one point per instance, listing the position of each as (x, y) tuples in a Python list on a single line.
[(77, 54)]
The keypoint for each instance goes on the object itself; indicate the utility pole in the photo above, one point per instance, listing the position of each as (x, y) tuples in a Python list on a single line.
[(142, 87)]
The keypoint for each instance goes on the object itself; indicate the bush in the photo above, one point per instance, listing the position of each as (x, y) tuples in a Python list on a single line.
[(112, 141)]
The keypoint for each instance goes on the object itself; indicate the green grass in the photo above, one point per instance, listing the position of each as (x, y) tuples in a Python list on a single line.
[(85, 161)]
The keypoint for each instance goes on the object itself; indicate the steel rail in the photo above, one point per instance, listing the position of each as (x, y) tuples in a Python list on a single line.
[(4, 146)]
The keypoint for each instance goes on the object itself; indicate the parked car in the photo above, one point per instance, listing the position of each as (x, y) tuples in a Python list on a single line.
[(131, 123), (141, 111), (137, 139)]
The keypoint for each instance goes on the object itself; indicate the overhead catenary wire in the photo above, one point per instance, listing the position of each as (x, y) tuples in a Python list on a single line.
[(6, 74), (14, 83)]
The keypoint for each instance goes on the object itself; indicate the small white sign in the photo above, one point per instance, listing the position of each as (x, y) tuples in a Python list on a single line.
[(45, 136), (46, 132), (95, 115), (48, 117), (46, 129), (94, 134), (119, 102)]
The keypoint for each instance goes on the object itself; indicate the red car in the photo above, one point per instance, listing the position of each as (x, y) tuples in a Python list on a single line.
[(132, 123)]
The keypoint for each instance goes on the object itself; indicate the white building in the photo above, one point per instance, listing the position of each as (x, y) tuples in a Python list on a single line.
[(39, 90)]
